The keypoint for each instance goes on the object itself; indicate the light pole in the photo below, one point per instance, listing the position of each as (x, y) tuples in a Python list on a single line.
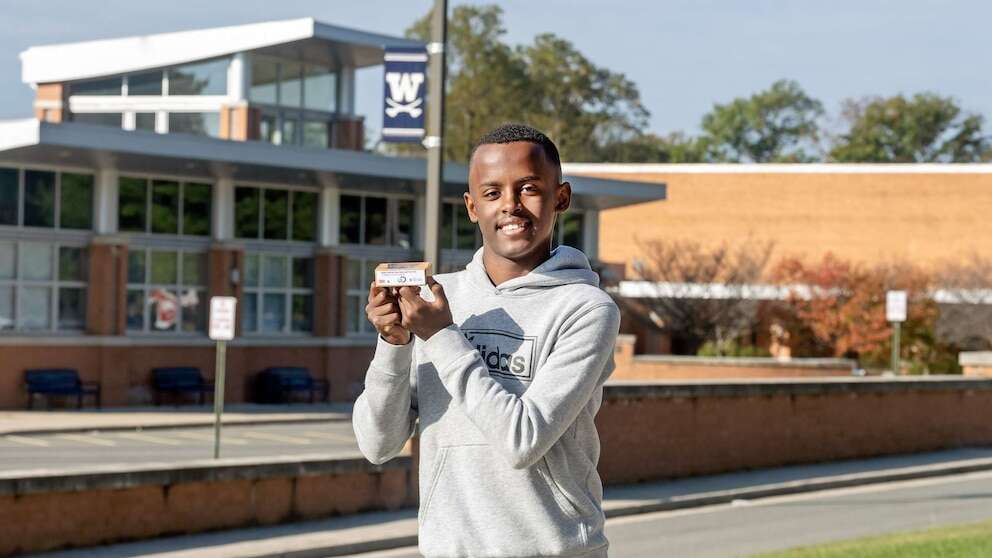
[(435, 134)]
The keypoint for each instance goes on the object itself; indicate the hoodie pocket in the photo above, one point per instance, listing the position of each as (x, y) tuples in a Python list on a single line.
[(477, 504)]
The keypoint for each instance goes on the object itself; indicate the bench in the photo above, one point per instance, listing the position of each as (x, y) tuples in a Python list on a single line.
[(278, 384), (180, 379), (59, 381)]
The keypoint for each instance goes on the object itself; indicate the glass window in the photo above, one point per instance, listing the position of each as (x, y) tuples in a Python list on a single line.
[(273, 312), (76, 205), (571, 230), (35, 307), (173, 298), (276, 214), (246, 212), (464, 229), (249, 313), (36, 261), (274, 271), (148, 83), (9, 196), (72, 308), (447, 225), (303, 273), (144, 121), (351, 219), (165, 267), (319, 88), (196, 209), (132, 204), (113, 119), (302, 319), (251, 270), (72, 264), (165, 207), (304, 216), (263, 80), (7, 259), (290, 84), (196, 123), (403, 236), (39, 198), (136, 266), (315, 134), (108, 86), (6, 307), (267, 129), (202, 78), (289, 126), (375, 220), (360, 275)]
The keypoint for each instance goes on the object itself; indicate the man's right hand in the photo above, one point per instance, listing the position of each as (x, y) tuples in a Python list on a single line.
[(383, 310)]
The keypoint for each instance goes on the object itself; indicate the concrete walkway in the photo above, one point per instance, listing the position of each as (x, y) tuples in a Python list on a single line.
[(147, 418), (377, 531)]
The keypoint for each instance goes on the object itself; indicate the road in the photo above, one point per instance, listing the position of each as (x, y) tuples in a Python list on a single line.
[(744, 528), (56, 451)]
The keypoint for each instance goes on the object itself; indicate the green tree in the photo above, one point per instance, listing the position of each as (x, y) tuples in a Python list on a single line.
[(924, 128), (548, 84), (676, 147), (778, 124)]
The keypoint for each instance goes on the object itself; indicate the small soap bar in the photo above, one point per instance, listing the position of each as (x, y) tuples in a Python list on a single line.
[(402, 274)]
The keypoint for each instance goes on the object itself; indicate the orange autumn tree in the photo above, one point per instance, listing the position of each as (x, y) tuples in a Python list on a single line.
[(841, 304)]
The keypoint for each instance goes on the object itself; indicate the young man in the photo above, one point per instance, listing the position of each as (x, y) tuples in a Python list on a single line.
[(504, 368)]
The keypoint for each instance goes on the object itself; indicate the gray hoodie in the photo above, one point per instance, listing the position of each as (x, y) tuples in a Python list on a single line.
[(506, 399)]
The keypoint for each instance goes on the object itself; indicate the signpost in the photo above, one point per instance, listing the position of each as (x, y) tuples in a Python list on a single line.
[(895, 312), (221, 330)]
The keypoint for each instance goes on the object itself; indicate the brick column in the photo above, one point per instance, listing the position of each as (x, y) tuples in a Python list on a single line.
[(329, 294), (222, 260), (51, 102), (106, 295), (239, 122), (349, 134)]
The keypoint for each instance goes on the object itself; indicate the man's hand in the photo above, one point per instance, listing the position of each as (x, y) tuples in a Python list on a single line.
[(421, 317), (383, 311)]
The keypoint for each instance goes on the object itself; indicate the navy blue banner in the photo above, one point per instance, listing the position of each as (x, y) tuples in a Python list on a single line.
[(405, 91)]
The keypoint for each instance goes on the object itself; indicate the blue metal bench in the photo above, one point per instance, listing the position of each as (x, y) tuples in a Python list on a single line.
[(278, 384), (178, 380), (59, 381)]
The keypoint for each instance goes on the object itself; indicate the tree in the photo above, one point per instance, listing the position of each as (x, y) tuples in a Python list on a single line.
[(922, 129), (699, 294), (548, 84), (778, 124), (676, 147)]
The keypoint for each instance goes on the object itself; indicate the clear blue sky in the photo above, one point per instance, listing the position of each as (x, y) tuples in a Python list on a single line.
[(685, 55)]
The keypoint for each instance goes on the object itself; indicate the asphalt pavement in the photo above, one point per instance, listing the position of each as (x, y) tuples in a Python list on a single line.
[(746, 527)]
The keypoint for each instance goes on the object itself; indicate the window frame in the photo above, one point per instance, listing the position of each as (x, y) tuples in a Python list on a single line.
[(392, 220), (22, 170), (54, 285), (146, 287), (262, 187), (259, 291), (180, 215)]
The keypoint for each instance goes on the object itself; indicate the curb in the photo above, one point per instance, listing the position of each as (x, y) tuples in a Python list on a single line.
[(191, 424), (678, 503)]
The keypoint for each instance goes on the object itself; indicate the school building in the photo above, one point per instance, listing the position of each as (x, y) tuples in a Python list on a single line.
[(165, 169)]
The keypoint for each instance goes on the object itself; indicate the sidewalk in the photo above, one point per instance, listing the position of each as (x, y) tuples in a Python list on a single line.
[(147, 418), (378, 531)]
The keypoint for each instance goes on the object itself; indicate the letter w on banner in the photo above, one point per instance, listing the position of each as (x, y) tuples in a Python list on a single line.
[(405, 91)]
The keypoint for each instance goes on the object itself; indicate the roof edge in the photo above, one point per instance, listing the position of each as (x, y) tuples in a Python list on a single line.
[(778, 168)]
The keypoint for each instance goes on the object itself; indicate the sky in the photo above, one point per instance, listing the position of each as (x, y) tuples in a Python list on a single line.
[(684, 55)]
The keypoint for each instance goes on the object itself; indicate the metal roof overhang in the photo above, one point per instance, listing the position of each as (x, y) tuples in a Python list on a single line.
[(88, 146)]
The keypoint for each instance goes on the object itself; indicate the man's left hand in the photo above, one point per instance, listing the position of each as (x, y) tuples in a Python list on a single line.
[(421, 317)]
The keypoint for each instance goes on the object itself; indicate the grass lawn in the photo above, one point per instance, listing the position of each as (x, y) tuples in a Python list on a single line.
[(960, 541)]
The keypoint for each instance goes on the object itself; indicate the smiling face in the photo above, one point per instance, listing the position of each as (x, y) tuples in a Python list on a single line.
[(514, 195)]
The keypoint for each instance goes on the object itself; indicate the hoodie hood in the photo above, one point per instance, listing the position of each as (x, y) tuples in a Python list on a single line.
[(566, 266)]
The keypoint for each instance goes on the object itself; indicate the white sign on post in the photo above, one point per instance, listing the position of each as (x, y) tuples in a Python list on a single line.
[(895, 306), (222, 317)]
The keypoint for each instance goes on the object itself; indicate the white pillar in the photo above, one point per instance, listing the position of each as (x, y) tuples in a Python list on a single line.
[(105, 201), (222, 209), (239, 78), (329, 216), (590, 233), (346, 91)]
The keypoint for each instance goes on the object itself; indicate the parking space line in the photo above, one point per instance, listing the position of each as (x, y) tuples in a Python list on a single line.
[(28, 441), (150, 439), (204, 437), (88, 439), (275, 438)]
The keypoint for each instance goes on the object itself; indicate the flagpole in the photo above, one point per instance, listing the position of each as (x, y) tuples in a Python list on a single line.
[(435, 132)]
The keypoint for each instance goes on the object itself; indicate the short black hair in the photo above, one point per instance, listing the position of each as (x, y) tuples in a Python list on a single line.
[(511, 132)]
